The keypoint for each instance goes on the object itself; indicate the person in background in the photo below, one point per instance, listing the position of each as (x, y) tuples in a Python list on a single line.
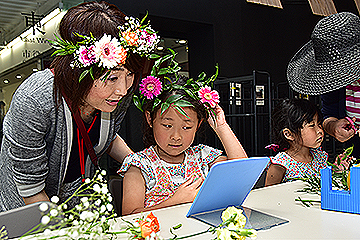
[(297, 135), (62, 119), (170, 170), (329, 65)]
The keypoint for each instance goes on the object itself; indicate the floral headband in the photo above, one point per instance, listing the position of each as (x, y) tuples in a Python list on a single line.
[(109, 52), (152, 86)]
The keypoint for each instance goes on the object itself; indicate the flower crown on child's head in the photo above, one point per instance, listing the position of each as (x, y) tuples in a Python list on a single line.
[(152, 86), (109, 52)]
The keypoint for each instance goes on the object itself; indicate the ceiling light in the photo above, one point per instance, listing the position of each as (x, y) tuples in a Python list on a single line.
[(18, 76), (182, 41), (6, 81)]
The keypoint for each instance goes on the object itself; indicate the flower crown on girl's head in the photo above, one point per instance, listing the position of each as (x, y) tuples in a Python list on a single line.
[(109, 52), (152, 86)]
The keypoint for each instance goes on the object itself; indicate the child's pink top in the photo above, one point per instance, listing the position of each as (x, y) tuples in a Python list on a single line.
[(296, 169), (162, 179)]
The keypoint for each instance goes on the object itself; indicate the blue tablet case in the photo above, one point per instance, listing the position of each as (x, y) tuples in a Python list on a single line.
[(228, 184)]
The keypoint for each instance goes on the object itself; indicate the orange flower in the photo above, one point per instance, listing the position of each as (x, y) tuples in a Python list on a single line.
[(149, 225), (131, 38)]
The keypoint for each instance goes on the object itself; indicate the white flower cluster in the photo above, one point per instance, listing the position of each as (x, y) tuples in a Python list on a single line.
[(234, 222), (87, 220)]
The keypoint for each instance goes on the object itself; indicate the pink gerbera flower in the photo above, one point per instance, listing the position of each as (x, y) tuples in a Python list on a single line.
[(109, 52), (207, 95), (150, 87), (86, 55)]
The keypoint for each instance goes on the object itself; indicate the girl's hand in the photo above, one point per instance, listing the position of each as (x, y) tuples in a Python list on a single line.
[(219, 118), (188, 190)]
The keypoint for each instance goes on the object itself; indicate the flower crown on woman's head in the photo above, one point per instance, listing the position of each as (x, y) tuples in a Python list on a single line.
[(109, 52), (152, 86)]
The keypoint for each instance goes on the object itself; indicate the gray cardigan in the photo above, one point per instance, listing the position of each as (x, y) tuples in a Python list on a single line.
[(37, 141)]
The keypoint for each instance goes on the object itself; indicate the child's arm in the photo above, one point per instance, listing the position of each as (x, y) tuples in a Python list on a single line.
[(274, 175), (134, 193), (233, 147)]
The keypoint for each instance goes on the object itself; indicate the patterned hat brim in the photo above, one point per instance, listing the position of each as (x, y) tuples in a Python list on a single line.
[(307, 76)]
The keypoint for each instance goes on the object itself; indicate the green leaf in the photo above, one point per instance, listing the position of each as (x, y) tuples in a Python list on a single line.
[(156, 103), (213, 77), (104, 78), (143, 20), (83, 74), (137, 102), (183, 103), (163, 71), (201, 76), (180, 110), (91, 73), (154, 56), (173, 98), (177, 226), (164, 107)]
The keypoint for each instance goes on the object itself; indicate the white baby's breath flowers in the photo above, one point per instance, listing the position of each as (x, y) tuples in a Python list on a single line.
[(103, 172), (102, 209), (54, 212), (43, 207), (96, 188), (109, 207), (54, 199), (104, 189), (47, 232), (87, 180), (97, 202), (45, 220)]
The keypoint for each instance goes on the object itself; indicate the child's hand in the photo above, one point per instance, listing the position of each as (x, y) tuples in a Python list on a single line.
[(188, 190), (219, 118)]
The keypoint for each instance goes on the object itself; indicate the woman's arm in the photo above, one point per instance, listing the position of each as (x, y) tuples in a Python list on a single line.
[(134, 193), (41, 196), (118, 149), (274, 175), (232, 146)]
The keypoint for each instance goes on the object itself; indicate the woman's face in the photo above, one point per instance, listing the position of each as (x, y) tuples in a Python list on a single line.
[(105, 95)]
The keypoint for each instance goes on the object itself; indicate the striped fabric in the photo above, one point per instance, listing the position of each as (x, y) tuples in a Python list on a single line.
[(353, 101)]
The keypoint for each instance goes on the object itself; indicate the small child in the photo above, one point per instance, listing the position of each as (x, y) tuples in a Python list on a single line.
[(170, 170), (297, 132)]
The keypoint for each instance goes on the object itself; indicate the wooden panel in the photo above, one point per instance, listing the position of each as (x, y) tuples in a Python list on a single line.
[(273, 3), (322, 7)]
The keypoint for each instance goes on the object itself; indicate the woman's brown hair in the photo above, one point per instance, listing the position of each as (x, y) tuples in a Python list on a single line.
[(98, 18)]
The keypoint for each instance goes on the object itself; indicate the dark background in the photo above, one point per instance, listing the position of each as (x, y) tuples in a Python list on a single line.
[(237, 35)]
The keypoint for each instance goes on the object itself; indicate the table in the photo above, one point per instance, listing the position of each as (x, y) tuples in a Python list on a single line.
[(277, 200)]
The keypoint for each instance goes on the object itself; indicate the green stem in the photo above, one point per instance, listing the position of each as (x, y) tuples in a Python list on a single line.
[(193, 235)]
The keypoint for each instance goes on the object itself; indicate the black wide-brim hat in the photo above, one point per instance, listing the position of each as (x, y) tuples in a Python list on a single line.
[(331, 59)]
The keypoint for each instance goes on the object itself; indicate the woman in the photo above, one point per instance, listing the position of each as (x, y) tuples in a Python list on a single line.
[(329, 65), (83, 96)]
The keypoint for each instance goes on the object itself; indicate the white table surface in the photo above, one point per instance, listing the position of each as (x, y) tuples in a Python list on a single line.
[(278, 200)]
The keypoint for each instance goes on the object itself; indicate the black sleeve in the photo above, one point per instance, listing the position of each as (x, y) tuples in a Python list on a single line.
[(333, 103)]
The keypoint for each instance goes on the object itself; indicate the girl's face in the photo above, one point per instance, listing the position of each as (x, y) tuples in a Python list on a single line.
[(105, 95), (173, 133), (312, 133)]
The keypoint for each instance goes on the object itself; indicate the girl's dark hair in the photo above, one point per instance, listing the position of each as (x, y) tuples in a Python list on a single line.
[(199, 108), (292, 114), (98, 18)]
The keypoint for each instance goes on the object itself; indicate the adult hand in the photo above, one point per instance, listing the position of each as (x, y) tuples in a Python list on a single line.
[(340, 129), (188, 190)]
